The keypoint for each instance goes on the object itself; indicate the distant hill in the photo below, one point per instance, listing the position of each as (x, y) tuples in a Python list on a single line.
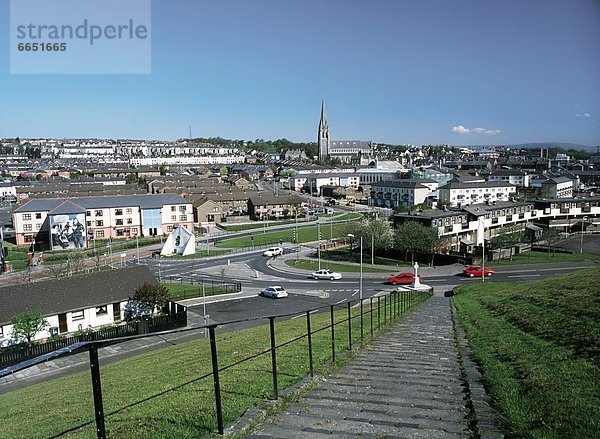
[(562, 145)]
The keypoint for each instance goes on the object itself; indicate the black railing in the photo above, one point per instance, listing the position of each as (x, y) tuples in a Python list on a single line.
[(385, 309), (14, 354)]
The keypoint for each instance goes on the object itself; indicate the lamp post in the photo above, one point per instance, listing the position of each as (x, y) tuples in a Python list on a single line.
[(360, 283), (319, 248), (482, 250), (583, 220)]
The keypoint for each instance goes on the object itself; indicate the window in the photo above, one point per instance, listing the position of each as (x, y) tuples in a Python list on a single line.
[(119, 221), (173, 217), (27, 227), (118, 211), (101, 310), (182, 208), (26, 216), (38, 226), (173, 208), (99, 213), (28, 238), (128, 210), (99, 223), (77, 315), (38, 216), (129, 221), (88, 213), (134, 231), (182, 217), (169, 229), (99, 233), (89, 223)]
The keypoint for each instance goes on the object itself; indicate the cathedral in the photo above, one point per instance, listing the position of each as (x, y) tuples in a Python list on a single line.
[(346, 150)]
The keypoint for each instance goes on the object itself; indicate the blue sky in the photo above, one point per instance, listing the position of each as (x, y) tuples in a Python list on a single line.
[(394, 71)]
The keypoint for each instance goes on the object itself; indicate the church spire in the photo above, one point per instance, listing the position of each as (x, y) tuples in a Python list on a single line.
[(323, 137)]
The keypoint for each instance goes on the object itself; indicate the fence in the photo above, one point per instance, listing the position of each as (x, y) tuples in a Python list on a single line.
[(372, 315), (23, 351)]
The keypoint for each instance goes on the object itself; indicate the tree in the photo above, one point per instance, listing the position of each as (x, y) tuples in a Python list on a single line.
[(26, 325), (153, 296), (550, 236), (411, 237)]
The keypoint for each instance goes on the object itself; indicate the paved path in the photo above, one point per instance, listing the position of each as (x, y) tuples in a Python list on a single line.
[(407, 384)]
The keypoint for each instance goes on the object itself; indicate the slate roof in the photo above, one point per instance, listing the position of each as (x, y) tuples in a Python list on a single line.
[(146, 201), (72, 293), (453, 184), (407, 183)]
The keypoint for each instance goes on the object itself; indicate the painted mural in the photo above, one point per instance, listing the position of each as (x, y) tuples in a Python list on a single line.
[(68, 231)]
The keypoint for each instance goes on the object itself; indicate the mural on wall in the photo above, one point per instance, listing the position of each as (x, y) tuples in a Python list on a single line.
[(180, 242), (68, 231)]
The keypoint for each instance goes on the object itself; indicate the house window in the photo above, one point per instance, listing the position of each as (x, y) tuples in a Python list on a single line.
[(173, 217), (99, 223), (38, 216), (128, 210), (134, 231), (26, 217), (173, 208), (169, 229), (28, 238), (182, 208), (99, 233), (88, 213), (118, 211), (38, 226), (89, 223), (129, 221), (77, 315), (101, 310), (119, 221), (27, 227), (99, 213), (182, 217)]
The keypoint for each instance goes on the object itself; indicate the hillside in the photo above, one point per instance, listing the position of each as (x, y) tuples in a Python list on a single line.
[(538, 345)]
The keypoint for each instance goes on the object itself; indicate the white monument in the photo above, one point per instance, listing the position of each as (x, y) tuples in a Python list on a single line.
[(416, 285), (180, 242)]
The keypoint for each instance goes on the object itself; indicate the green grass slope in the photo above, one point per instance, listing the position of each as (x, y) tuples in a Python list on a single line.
[(539, 348)]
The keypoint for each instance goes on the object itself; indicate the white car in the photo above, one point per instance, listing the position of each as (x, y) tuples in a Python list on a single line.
[(275, 292), (326, 274), (273, 251)]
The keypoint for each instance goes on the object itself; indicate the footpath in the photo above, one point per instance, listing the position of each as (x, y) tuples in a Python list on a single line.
[(416, 381)]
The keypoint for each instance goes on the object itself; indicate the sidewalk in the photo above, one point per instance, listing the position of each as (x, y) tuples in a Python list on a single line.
[(407, 384)]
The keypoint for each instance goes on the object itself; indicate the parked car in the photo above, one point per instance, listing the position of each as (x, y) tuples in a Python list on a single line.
[(274, 292), (326, 274), (403, 279), (477, 271), (273, 251)]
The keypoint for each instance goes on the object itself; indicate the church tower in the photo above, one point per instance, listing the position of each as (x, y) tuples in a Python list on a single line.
[(323, 141)]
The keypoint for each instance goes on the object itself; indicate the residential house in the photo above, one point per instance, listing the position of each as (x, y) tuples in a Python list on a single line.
[(73, 303)]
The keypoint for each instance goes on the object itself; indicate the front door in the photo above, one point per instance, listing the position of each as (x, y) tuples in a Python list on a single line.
[(62, 323), (116, 312)]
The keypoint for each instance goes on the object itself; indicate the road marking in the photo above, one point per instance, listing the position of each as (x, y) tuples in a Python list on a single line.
[(525, 275)]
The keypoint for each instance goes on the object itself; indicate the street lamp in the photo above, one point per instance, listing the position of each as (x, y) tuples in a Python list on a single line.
[(482, 227), (319, 248), (360, 283), (583, 221)]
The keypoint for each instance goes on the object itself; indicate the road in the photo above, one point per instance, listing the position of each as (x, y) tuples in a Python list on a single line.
[(255, 272)]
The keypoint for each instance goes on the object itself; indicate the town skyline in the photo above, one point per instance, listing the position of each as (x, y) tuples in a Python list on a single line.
[(464, 73)]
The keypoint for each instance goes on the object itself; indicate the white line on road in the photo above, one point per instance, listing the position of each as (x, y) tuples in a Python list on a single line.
[(525, 275)]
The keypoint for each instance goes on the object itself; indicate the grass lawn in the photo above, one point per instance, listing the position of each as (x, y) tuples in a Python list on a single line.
[(312, 265), (305, 234), (543, 257), (537, 344), (168, 394), (257, 225)]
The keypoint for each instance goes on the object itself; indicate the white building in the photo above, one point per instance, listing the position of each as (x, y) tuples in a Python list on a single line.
[(457, 193), (408, 193)]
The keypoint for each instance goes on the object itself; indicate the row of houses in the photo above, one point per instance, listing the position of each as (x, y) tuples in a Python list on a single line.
[(471, 226)]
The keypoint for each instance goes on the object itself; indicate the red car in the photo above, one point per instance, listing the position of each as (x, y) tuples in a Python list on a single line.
[(477, 271), (403, 279)]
